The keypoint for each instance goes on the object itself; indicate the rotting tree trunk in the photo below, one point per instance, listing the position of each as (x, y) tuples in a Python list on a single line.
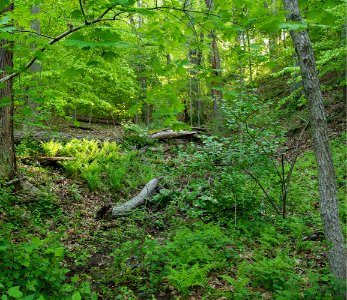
[(170, 134), (7, 153), (125, 209), (326, 172)]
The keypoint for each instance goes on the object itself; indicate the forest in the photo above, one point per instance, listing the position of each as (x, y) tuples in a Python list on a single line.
[(173, 149)]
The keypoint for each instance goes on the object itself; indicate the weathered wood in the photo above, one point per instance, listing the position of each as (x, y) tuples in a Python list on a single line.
[(7, 153), (44, 160), (45, 136), (170, 134), (93, 120), (329, 208), (124, 209)]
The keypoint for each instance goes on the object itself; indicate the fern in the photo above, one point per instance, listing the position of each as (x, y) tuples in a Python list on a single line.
[(187, 277)]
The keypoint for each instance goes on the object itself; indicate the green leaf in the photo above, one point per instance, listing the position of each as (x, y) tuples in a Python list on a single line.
[(293, 26), (59, 252), (143, 11), (109, 55), (76, 296), (112, 40), (5, 20), (7, 29), (76, 14), (123, 3), (15, 292), (4, 4), (35, 241), (272, 25)]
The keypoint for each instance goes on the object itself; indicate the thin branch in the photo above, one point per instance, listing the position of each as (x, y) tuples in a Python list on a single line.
[(34, 32), (105, 12), (83, 13), (269, 155), (271, 201)]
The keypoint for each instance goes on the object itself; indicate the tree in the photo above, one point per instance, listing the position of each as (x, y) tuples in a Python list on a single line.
[(326, 172), (7, 154), (216, 68)]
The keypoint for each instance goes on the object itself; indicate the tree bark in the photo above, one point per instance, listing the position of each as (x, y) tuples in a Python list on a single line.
[(170, 134), (125, 209), (194, 59), (7, 153), (326, 172), (216, 67), (35, 69)]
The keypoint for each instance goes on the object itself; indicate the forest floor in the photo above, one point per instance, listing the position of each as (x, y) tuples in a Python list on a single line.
[(207, 232), (68, 205)]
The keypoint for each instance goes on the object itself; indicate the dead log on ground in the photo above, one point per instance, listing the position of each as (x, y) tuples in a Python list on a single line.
[(45, 136), (44, 160), (87, 119), (124, 209), (170, 134)]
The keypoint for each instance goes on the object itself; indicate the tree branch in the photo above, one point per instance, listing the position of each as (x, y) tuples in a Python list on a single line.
[(83, 13), (37, 33), (271, 201), (87, 23)]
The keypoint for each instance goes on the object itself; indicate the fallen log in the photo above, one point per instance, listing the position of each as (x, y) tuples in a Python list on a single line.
[(45, 136), (87, 119), (170, 134), (124, 209), (44, 160)]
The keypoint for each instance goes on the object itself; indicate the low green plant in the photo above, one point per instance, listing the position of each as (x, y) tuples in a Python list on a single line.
[(101, 165), (136, 135), (271, 273), (324, 286), (186, 277), (33, 269), (28, 148), (51, 148), (185, 261)]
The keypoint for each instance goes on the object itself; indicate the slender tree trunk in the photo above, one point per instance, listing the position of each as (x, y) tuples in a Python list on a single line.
[(195, 59), (35, 69), (250, 63), (326, 172), (7, 154), (273, 46), (216, 66)]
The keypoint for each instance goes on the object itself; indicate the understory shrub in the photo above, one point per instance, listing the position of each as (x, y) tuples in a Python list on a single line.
[(33, 269)]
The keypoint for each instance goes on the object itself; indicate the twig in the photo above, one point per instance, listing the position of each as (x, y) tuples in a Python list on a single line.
[(83, 13), (37, 33), (271, 201)]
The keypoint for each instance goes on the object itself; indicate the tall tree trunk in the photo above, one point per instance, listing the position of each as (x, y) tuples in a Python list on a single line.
[(7, 154), (35, 69), (273, 46), (195, 59), (216, 67), (326, 172)]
